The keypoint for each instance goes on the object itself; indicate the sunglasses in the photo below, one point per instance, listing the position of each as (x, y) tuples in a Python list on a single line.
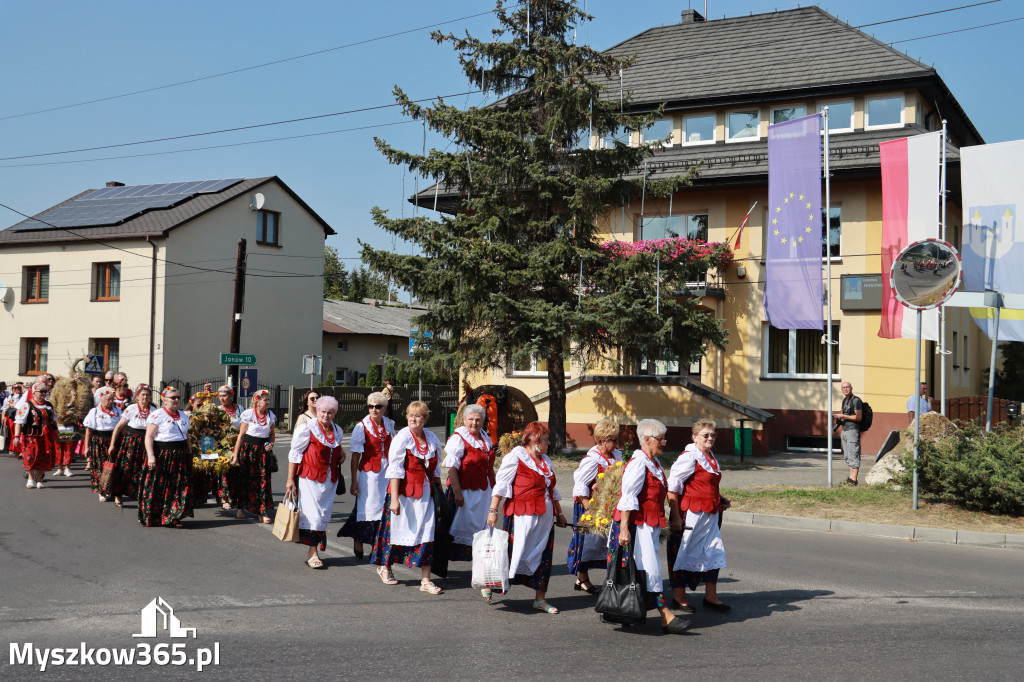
[(314, 398), (376, 407)]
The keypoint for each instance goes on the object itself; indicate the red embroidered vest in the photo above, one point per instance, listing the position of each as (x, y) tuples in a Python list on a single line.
[(477, 470), (373, 450), (652, 503), (701, 493), (317, 459), (412, 484), (528, 492)]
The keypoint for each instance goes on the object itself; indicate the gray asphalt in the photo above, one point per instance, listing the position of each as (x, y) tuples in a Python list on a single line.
[(806, 605)]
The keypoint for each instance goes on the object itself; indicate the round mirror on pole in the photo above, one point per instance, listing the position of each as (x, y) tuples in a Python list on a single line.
[(925, 274)]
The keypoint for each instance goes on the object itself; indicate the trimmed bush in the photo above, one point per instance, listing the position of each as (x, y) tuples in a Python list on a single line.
[(973, 469)]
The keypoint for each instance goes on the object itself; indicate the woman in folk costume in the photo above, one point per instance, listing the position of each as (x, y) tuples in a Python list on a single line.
[(640, 516), (99, 431), (470, 462), (122, 394), (314, 460), (128, 444), (406, 532), (588, 550), (253, 448), (166, 494), (694, 499), (10, 410), (526, 481), (35, 432), (221, 483), (370, 442)]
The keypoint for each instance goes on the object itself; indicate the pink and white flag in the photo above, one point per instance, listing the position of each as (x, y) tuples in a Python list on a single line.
[(910, 211)]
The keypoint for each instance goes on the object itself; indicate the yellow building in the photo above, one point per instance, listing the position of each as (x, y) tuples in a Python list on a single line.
[(723, 83)]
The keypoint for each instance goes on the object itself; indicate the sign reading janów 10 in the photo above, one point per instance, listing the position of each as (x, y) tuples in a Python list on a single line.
[(242, 359)]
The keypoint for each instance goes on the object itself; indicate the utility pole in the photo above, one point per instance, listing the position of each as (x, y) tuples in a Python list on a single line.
[(237, 309)]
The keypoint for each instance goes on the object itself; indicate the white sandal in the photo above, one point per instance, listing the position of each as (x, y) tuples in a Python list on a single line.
[(429, 587)]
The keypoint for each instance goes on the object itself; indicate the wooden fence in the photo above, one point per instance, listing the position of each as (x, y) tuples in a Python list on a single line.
[(973, 408)]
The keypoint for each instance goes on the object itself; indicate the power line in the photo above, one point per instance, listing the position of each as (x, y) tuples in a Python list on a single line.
[(246, 68), (959, 30), (925, 14)]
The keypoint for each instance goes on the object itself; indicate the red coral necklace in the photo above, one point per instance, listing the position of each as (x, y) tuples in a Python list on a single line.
[(173, 415), (381, 432), (328, 437), (421, 451)]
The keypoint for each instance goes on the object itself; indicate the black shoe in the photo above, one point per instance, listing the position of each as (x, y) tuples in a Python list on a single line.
[(685, 608), (721, 608), (593, 589), (675, 627)]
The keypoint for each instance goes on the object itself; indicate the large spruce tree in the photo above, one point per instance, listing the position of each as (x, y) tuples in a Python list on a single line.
[(519, 271)]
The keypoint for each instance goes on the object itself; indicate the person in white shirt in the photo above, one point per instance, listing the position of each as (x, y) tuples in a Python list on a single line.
[(370, 442), (166, 495), (128, 444), (919, 403), (99, 431), (35, 431), (254, 452)]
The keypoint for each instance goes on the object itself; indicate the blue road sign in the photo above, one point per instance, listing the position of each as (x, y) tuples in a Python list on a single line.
[(247, 382), (94, 365)]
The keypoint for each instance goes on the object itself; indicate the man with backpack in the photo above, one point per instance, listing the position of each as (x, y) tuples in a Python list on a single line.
[(849, 418)]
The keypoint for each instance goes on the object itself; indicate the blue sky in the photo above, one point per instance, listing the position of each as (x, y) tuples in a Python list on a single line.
[(63, 53)]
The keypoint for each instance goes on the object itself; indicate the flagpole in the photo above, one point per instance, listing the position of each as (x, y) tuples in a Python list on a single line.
[(828, 293), (917, 397), (942, 236)]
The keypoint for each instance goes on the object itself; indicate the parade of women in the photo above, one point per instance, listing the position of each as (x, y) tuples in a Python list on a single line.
[(165, 454)]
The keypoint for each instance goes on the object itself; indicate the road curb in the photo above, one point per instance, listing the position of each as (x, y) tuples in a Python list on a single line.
[(883, 530)]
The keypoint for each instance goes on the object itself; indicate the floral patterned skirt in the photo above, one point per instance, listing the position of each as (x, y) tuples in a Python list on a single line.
[(37, 452), (690, 579), (539, 579), (653, 600), (13, 449), (252, 490), (130, 457), (386, 554), (166, 494), (64, 453), (99, 441), (574, 557), (360, 531), (313, 538)]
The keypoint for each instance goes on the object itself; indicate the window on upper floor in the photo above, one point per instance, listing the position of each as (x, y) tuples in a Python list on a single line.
[(835, 232), (743, 126), (783, 114), (35, 284), (106, 281), (699, 129), (33, 356), (392, 348), (883, 112), (343, 345), (692, 225), (840, 116), (663, 131), (109, 350), (268, 228), (620, 134), (799, 353)]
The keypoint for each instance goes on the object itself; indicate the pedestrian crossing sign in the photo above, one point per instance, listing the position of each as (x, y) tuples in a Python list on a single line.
[(94, 364)]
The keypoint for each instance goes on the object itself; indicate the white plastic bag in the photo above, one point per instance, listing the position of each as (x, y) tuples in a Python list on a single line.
[(490, 559)]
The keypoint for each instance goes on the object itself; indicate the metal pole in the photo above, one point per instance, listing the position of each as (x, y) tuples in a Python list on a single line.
[(828, 292), (917, 405), (992, 368), (942, 235), (237, 309)]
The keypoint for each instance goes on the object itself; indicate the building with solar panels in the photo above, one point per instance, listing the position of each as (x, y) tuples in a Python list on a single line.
[(143, 276)]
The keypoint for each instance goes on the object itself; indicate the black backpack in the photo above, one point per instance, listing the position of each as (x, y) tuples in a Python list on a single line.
[(866, 415)]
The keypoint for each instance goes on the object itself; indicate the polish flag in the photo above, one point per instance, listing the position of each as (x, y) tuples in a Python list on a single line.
[(910, 211)]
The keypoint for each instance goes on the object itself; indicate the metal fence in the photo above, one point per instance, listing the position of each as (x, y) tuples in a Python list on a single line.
[(278, 393), (441, 399)]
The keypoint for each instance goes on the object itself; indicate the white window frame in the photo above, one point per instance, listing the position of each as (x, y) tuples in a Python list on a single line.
[(714, 129), (672, 139), (771, 115), (853, 115), (792, 374), (882, 126), (603, 141), (533, 371), (728, 132)]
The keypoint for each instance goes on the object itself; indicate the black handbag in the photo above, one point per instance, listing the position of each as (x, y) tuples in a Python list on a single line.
[(341, 484), (623, 597), (443, 509), (272, 466)]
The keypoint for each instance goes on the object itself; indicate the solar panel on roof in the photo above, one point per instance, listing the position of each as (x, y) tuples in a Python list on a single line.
[(113, 205)]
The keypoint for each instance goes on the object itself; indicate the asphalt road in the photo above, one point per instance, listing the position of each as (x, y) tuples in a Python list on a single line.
[(807, 606)]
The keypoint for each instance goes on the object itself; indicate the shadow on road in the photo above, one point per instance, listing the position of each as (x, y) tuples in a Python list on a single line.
[(751, 606)]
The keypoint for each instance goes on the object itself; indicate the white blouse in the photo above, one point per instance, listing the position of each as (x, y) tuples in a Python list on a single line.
[(685, 465), (358, 441), (586, 473), (98, 420), (236, 417), (455, 448), (403, 442), (633, 480), (168, 429), (311, 429), (135, 419), (255, 429), (510, 465)]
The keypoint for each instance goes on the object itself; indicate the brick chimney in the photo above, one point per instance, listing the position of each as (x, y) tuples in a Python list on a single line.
[(691, 16), (114, 183)]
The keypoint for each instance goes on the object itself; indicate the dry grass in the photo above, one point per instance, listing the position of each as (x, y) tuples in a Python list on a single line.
[(869, 504)]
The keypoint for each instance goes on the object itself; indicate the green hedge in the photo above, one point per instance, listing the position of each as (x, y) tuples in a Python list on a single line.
[(972, 469)]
